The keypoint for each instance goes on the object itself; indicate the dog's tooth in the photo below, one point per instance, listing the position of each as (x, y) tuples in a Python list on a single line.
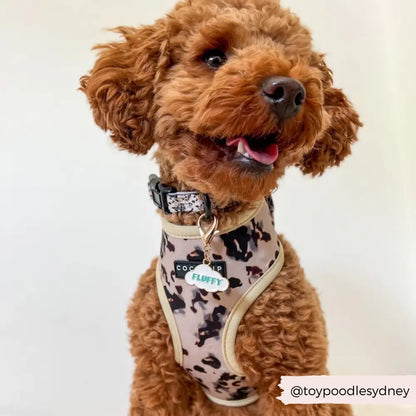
[(247, 155), (240, 148)]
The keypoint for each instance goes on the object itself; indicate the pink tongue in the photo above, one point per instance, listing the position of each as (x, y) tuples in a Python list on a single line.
[(265, 156)]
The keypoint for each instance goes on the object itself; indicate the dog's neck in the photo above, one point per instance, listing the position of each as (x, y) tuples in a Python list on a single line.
[(227, 214)]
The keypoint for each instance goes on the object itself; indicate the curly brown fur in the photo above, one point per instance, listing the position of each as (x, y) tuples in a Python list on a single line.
[(155, 87)]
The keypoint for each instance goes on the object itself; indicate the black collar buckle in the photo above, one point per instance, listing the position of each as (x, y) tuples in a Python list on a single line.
[(159, 192)]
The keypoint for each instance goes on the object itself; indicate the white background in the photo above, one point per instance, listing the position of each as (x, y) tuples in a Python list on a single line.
[(77, 228)]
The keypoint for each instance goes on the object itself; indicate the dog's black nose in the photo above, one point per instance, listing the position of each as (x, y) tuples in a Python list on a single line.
[(285, 95)]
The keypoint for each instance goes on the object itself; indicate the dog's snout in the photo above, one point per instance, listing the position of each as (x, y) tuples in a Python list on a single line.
[(285, 95)]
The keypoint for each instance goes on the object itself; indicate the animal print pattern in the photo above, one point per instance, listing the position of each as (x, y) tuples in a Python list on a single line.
[(200, 316), (185, 202)]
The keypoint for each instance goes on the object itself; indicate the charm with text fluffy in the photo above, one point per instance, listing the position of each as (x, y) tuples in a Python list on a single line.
[(203, 277)]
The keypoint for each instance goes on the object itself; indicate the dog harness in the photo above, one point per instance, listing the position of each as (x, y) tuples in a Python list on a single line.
[(203, 324)]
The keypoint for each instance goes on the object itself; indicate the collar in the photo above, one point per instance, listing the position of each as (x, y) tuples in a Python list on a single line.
[(170, 201)]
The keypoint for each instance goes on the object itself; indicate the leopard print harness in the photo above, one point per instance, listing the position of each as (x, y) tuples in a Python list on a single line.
[(204, 324)]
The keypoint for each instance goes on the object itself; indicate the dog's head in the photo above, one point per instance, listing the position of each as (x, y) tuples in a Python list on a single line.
[(230, 90)]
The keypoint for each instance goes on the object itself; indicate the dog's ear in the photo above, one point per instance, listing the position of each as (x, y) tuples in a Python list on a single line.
[(342, 124), (120, 87)]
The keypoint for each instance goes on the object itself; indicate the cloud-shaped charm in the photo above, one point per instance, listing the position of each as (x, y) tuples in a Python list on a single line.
[(203, 277)]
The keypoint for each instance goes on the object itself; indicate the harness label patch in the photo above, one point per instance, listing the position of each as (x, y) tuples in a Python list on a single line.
[(183, 267), (203, 277)]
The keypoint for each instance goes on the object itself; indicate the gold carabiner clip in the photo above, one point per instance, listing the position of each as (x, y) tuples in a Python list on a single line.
[(207, 236)]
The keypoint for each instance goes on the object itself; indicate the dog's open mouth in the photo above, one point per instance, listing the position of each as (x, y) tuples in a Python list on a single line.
[(264, 150), (258, 153)]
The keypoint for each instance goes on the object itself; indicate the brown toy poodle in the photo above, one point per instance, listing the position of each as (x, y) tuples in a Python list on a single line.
[(232, 93)]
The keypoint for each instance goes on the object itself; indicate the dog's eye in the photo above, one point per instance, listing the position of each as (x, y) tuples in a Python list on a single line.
[(214, 58)]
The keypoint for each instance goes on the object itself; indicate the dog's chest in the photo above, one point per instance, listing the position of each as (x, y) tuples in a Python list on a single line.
[(205, 322)]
